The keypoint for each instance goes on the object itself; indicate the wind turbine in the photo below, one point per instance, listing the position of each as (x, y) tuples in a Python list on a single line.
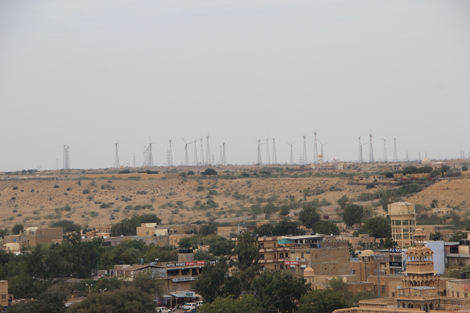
[(195, 151), (322, 144), (315, 148), (186, 158), (202, 151), (385, 149), (170, 153), (116, 159), (150, 156), (291, 153), (267, 152), (371, 149), (259, 160), (304, 157)]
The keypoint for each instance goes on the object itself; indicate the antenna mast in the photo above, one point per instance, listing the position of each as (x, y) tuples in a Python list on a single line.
[(371, 150)]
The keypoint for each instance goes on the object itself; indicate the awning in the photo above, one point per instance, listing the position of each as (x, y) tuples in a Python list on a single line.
[(303, 266), (183, 294)]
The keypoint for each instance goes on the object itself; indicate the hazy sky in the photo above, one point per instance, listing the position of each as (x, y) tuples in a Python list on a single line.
[(84, 73)]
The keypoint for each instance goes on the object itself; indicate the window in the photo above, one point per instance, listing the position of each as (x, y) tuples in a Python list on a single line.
[(281, 266), (262, 246), (383, 288), (4, 296), (458, 294), (302, 255), (185, 271), (466, 295), (287, 254), (281, 255), (261, 256)]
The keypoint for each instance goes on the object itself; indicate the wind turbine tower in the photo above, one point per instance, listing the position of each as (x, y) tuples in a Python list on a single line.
[(360, 159), (170, 153), (224, 157), (371, 149), (321, 145), (66, 158), (395, 156), (150, 155), (259, 161), (116, 159), (274, 151), (315, 148), (267, 152), (385, 149), (291, 153), (186, 157), (304, 157), (208, 152), (202, 152), (195, 152)]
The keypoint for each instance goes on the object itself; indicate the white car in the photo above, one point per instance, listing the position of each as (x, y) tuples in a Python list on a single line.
[(189, 306), (162, 309)]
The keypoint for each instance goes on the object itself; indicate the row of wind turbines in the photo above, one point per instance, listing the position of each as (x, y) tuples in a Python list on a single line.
[(270, 156)]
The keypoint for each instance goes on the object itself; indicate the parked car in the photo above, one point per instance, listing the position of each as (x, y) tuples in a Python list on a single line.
[(162, 309), (199, 303), (189, 306)]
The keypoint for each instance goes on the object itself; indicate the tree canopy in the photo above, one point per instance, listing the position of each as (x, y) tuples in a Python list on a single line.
[(352, 214), (309, 216), (378, 227)]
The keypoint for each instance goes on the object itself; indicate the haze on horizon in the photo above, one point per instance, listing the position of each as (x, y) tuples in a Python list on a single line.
[(88, 73)]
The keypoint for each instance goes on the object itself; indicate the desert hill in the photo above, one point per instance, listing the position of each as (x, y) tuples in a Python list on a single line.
[(448, 193), (92, 202)]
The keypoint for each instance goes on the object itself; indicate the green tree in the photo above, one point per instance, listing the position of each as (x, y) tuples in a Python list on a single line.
[(125, 300), (44, 303), (109, 283), (17, 229), (352, 214), (221, 247), (213, 281), (309, 216), (326, 228), (67, 226), (246, 304), (456, 237), (321, 301), (465, 168), (286, 227), (343, 201), (378, 227), (279, 290), (284, 211), (84, 256), (264, 230), (185, 243), (149, 283), (435, 173), (247, 251)]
